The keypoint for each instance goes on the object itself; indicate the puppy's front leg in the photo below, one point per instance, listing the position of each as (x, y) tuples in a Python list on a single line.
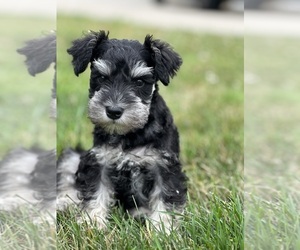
[(94, 188), (169, 195), (97, 209), (160, 217)]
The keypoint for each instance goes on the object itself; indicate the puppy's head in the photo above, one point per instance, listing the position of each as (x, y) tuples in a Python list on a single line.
[(40, 53), (123, 78)]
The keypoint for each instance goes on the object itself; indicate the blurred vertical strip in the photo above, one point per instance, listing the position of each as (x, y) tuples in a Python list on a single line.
[(272, 134), (28, 125)]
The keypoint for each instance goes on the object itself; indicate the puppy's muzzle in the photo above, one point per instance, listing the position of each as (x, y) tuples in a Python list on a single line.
[(114, 112)]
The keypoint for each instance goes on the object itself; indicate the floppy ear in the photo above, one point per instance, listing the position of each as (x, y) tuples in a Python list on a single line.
[(83, 48), (166, 60), (40, 53)]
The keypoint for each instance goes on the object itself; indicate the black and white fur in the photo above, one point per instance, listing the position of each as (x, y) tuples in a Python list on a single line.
[(28, 176), (134, 161)]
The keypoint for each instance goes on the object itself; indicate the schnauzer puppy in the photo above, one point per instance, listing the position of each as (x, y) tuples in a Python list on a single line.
[(134, 162), (28, 176)]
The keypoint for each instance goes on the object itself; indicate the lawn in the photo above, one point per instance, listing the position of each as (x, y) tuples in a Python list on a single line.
[(272, 136), (206, 99)]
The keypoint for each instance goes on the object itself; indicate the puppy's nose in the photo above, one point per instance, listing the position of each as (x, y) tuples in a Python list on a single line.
[(114, 112)]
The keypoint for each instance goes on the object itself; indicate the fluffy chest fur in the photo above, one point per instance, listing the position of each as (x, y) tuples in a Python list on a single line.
[(131, 174)]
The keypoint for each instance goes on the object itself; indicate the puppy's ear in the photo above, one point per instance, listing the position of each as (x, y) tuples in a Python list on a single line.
[(166, 61), (40, 53), (83, 50)]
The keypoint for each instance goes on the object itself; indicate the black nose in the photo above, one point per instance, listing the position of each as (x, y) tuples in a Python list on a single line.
[(114, 112)]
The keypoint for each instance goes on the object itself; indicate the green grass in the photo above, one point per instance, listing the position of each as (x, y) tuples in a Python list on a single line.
[(272, 145), (213, 225), (18, 232), (206, 99)]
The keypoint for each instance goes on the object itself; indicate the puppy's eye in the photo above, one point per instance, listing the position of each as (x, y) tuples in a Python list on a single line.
[(140, 83)]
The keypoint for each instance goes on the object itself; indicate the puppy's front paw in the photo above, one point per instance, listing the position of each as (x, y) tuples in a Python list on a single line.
[(98, 222), (163, 222)]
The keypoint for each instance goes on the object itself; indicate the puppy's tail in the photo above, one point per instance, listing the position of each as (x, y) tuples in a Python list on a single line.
[(67, 166)]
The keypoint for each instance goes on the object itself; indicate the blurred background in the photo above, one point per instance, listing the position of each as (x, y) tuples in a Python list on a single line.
[(173, 14), (277, 5)]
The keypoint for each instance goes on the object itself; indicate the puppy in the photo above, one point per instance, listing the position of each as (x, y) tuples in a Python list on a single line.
[(134, 162)]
